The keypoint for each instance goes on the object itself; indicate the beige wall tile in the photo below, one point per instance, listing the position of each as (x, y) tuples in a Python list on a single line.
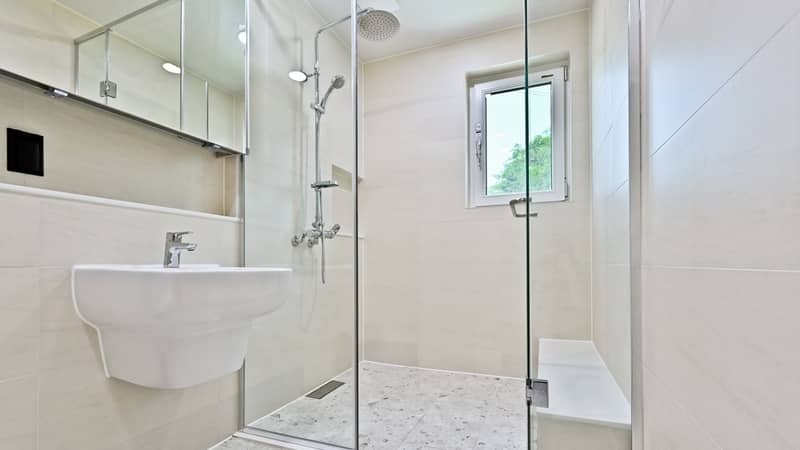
[(20, 236), (681, 43), (611, 322), (713, 189), (18, 414), (118, 159), (669, 425), (709, 323), (719, 289), (81, 233), (19, 322)]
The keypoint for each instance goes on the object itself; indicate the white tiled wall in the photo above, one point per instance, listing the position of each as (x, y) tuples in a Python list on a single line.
[(53, 392), (611, 330), (445, 285), (90, 152), (720, 195)]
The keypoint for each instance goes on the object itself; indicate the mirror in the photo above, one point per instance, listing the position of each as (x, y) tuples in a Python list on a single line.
[(178, 64), (214, 82)]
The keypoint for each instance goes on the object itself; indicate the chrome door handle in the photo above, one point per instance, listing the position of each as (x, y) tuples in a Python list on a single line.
[(513, 205)]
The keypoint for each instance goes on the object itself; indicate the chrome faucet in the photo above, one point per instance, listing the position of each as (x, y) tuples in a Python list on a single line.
[(174, 246)]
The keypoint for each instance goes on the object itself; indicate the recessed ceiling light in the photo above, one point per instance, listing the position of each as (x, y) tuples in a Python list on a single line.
[(171, 68)]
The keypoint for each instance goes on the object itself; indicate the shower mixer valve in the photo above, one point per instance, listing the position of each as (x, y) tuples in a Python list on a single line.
[(313, 236)]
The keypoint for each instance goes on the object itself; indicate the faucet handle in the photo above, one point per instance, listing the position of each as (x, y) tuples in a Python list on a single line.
[(177, 235)]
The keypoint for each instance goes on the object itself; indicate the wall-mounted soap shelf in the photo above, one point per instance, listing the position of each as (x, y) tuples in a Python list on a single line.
[(52, 91)]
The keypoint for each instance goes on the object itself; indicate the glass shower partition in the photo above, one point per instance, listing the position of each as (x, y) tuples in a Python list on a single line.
[(298, 201)]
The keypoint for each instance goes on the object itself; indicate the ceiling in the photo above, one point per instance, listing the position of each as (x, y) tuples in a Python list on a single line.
[(104, 11), (212, 26), (213, 50), (424, 23)]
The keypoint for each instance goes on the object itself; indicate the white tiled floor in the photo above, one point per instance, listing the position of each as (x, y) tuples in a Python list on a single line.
[(407, 408)]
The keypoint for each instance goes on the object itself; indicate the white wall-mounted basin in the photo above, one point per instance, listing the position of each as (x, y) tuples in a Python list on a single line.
[(174, 328)]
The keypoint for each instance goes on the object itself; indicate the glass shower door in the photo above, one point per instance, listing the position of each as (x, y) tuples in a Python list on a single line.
[(530, 388), (575, 211)]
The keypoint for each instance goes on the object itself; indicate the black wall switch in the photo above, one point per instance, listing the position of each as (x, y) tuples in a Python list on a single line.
[(25, 152)]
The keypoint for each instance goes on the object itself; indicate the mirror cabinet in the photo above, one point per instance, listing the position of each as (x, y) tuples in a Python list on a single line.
[(179, 65)]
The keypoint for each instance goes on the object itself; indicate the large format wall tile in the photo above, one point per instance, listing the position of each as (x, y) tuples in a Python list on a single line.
[(18, 414), (693, 47), (723, 192), (81, 233), (19, 322), (669, 425), (20, 236), (720, 195), (724, 341), (611, 322)]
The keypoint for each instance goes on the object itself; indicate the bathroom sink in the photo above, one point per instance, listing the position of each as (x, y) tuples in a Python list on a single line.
[(174, 328)]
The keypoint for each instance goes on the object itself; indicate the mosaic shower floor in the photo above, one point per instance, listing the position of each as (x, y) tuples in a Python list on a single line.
[(405, 408)]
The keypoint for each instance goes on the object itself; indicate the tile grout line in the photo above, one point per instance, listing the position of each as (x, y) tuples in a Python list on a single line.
[(726, 83), (719, 269)]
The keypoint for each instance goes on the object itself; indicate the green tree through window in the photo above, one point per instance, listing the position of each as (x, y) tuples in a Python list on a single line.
[(512, 178)]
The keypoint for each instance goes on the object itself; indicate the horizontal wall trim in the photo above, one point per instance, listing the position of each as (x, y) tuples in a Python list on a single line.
[(80, 198)]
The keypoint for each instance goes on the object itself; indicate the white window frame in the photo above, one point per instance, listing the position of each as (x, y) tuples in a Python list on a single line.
[(476, 189)]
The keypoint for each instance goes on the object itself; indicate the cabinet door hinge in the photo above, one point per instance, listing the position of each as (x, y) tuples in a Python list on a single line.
[(108, 89)]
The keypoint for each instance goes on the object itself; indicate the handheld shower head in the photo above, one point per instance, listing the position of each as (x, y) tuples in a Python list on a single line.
[(336, 83)]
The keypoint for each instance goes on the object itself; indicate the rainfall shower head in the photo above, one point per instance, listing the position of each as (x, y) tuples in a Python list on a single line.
[(378, 25)]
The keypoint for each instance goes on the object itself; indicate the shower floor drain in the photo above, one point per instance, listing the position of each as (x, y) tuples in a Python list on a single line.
[(325, 389)]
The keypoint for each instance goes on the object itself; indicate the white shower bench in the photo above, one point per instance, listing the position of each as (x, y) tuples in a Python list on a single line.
[(587, 409)]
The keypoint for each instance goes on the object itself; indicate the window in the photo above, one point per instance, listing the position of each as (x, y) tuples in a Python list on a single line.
[(497, 131)]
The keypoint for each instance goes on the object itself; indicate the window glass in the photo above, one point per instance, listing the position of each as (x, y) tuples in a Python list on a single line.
[(505, 134)]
